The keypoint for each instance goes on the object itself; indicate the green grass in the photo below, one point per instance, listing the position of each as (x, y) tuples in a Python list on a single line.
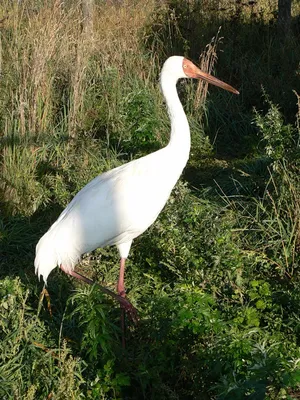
[(216, 278)]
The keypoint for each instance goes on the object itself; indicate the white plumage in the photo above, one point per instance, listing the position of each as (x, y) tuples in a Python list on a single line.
[(119, 205)]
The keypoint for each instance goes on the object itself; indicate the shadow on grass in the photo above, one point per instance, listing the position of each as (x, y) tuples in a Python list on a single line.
[(218, 178)]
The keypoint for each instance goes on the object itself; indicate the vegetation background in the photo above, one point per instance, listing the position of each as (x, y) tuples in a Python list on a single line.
[(216, 278)]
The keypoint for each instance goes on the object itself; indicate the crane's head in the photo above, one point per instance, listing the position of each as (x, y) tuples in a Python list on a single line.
[(181, 67)]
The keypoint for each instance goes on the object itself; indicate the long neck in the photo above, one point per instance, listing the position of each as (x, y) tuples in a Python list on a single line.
[(180, 141)]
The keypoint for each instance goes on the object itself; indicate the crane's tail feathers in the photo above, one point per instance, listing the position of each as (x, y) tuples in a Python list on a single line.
[(44, 263), (53, 251)]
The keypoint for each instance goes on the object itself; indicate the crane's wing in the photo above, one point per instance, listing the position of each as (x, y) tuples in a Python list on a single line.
[(116, 206)]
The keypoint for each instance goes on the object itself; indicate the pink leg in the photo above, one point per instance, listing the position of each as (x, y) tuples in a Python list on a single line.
[(122, 293), (124, 303), (121, 286)]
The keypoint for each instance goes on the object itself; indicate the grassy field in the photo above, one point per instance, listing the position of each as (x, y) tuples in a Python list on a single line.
[(216, 278)]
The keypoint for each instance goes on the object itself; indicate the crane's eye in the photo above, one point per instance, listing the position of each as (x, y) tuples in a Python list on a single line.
[(184, 66)]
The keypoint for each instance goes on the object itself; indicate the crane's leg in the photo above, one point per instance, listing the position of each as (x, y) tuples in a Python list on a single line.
[(122, 293), (128, 307), (121, 286)]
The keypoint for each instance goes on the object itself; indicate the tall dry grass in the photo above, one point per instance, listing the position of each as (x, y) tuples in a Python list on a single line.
[(47, 59), (207, 61)]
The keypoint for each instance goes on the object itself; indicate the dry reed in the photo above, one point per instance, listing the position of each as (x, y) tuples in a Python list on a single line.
[(207, 60), (51, 56)]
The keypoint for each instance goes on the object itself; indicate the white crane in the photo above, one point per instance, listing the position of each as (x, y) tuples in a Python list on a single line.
[(119, 205)]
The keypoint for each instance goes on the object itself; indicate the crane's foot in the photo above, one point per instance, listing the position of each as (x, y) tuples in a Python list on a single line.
[(126, 308), (124, 303), (129, 309)]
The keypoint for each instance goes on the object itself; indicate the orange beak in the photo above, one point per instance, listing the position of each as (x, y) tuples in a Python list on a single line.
[(192, 71)]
